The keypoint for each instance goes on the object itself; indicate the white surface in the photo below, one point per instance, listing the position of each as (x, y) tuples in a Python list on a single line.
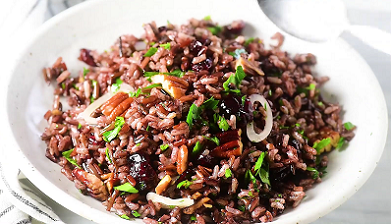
[(381, 207)]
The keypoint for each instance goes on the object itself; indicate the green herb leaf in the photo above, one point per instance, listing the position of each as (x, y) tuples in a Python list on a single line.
[(110, 135), (264, 175), (221, 121), (108, 155), (207, 18), (320, 145), (311, 86), (259, 162), (116, 86), (320, 103), (125, 217), (348, 125), (171, 206), (177, 72), (197, 148), (127, 187), (236, 54), (250, 194), (79, 126), (315, 174), (166, 46), (297, 125), (215, 29), (85, 72), (150, 74), (151, 51), (136, 214), (186, 184), (193, 218), (153, 86), (340, 143), (235, 79), (67, 155), (194, 113), (228, 173), (164, 147), (270, 92), (250, 177), (210, 103), (213, 139), (63, 85), (244, 99), (135, 94), (248, 41)]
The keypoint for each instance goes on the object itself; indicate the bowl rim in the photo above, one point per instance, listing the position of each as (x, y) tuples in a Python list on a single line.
[(93, 214)]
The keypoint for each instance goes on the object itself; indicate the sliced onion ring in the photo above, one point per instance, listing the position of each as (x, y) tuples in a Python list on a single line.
[(86, 114), (251, 134), (167, 202)]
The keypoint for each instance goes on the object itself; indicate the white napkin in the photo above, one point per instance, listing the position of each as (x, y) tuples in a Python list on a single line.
[(20, 203)]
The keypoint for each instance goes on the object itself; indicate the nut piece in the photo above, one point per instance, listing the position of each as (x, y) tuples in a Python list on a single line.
[(173, 85), (95, 186), (163, 184), (182, 159), (334, 136), (231, 144), (190, 210), (249, 67)]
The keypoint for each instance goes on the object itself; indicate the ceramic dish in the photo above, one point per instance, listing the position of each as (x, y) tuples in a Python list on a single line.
[(96, 25)]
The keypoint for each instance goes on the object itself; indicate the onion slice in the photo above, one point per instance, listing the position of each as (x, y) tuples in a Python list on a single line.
[(251, 134), (86, 114), (167, 202)]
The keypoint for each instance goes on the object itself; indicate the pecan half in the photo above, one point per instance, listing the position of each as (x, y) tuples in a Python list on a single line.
[(231, 144), (173, 85), (249, 67), (95, 186)]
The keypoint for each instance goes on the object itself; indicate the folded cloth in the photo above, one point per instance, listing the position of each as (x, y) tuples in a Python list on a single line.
[(20, 203)]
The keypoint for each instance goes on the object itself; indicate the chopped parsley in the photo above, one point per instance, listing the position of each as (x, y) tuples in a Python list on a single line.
[(340, 143), (297, 125), (320, 103), (235, 79), (135, 94), (125, 217), (153, 86), (151, 51), (213, 139), (210, 103), (148, 128), (311, 86), (270, 92), (193, 218), (67, 155), (207, 18), (221, 121), (265, 106), (63, 85), (215, 29), (228, 173), (166, 46), (250, 177), (79, 126), (138, 144), (315, 174), (126, 187), (115, 87), (177, 72), (236, 54), (152, 43), (248, 41), (85, 71), (171, 206), (136, 214), (250, 194), (244, 99), (197, 148), (186, 184), (263, 173), (348, 125), (110, 135), (107, 155), (194, 114), (164, 147), (322, 144)]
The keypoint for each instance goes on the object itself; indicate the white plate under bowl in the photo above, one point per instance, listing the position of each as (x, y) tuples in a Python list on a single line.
[(97, 24)]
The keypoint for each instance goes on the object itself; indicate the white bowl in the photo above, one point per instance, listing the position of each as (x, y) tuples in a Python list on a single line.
[(97, 24)]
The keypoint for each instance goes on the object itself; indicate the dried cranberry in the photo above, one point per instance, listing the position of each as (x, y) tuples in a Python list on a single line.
[(206, 161), (85, 56), (280, 174), (204, 65), (232, 104), (142, 171), (195, 47)]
